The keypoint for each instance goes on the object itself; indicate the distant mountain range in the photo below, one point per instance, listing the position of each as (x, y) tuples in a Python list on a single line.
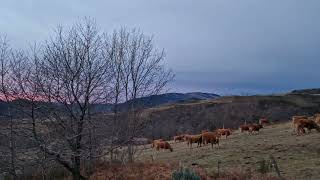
[(162, 99), (157, 100), (315, 91)]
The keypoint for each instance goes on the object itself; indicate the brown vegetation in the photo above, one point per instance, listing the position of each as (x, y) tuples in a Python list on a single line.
[(135, 171)]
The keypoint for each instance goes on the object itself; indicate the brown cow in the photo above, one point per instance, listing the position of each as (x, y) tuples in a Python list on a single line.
[(193, 139), (295, 120), (155, 142), (210, 137), (163, 145), (254, 128), (179, 138), (224, 132), (244, 127), (307, 123), (264, 121)]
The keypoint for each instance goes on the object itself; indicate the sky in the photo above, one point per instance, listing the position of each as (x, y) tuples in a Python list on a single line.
[(218, 46)]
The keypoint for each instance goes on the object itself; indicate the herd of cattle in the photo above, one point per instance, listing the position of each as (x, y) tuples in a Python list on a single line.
[(299, 124)]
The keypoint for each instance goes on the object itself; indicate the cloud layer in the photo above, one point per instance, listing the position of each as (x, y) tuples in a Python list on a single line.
[(234, 46)]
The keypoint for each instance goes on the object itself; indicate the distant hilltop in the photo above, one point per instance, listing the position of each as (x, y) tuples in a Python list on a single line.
[(169, 98), (313, 91), (158, 100)]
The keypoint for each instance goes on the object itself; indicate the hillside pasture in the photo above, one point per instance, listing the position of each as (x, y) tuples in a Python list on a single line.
[(298, 157)]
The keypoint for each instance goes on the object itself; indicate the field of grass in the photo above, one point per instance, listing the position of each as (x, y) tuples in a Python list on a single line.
[(298, 157)]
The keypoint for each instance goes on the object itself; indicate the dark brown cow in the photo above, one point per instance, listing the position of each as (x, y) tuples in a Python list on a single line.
[(163, 145), (307, 123), (244, 127), (254, 128)]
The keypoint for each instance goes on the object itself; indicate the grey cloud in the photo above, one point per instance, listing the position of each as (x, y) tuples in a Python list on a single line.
[(212, 45)]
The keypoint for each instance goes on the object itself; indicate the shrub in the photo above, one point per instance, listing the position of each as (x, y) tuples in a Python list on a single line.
[(185, 174)]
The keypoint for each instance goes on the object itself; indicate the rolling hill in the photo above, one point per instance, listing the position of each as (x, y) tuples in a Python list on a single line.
[(228, 111), (158, 100)]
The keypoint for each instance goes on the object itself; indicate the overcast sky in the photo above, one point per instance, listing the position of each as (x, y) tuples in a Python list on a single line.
[(219, 46)]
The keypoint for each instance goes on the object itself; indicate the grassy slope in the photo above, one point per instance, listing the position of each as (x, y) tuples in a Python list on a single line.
[(298, 157)]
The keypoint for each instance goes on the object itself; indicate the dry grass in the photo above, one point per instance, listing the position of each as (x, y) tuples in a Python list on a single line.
[(298, 157), (143, 171)]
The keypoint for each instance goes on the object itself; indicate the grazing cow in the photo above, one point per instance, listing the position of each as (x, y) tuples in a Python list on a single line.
[(193, 139), (264, 121), (244, 127), (163, 145), (155, 142), (295, 120), (179, 138), (307, 123), (210, 137), (255, 128), (224, 132)]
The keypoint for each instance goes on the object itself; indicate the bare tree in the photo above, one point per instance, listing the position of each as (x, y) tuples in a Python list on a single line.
[(5, 54), (60, 81), (139, 71), (67, 73)]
